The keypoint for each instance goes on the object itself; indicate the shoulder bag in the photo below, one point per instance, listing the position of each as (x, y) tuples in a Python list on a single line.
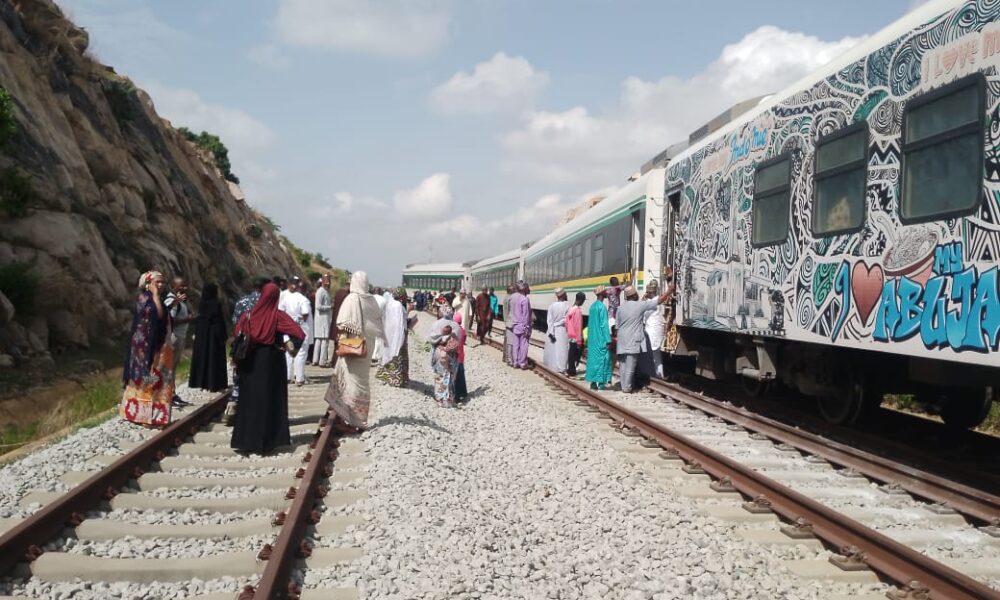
[(350, 346), (241, 345)]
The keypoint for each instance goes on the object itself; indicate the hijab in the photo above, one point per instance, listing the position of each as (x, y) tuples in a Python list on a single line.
[(264, 320), (209, 302), (437, 329), (359, 283), (394, 321)]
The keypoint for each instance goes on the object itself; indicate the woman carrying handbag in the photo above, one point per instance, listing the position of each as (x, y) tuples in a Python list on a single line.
[(359, 325)]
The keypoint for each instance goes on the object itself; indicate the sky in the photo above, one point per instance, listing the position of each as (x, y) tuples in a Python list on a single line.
[(387, 132)]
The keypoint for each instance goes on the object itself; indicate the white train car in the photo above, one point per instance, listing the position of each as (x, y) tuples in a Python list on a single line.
[(843, 236), (619, 237), (497, 272), (436, 277)]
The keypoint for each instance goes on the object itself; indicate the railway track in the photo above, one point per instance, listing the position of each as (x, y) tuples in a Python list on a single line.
[(257, 512), (770, 485)]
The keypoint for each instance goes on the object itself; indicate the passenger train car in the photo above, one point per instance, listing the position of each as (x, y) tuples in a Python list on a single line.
[(497, 272), (611, 239), (843, 236), (437, 277), (840, 237)]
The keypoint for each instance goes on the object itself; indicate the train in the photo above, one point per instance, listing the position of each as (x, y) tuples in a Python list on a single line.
[(840, 237)]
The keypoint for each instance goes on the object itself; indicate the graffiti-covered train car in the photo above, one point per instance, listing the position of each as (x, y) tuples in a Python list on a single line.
[(843, 236)]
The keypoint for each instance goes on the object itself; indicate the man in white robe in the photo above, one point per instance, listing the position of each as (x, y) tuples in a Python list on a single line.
[(298, 308), (556, 355)]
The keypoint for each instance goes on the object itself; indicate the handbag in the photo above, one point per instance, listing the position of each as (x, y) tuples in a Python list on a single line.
[(353, 345), (241, 345)]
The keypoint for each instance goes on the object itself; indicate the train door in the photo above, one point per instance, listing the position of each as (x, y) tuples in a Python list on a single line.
[(636, 237), (667, 265)]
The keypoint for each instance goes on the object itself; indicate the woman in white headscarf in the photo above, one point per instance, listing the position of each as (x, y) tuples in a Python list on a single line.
[(349, 394), (395, 367)]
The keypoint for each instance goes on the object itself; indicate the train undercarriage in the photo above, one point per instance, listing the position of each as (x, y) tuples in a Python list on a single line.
[(847, 384)]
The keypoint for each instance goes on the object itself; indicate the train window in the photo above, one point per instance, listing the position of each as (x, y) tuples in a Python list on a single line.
[(943, 151), (578, 260), (841, 170), (772, 195), (598, 254)]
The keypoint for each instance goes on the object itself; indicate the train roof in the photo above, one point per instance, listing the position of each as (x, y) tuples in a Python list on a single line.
[(444, 268), (633, 190), (911, 20), (505, 257)]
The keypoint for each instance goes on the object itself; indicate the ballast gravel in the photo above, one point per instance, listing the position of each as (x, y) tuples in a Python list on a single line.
[(517, 496), (42, 469)]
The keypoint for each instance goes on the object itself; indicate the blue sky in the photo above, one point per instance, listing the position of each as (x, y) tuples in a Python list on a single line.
[(384, 132)]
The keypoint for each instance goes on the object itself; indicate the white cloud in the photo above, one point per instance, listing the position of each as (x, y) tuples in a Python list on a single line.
[(389, 28), (431, 198), (500, 84), (242, 133), (343, 203), (268, 55), (580, 148)]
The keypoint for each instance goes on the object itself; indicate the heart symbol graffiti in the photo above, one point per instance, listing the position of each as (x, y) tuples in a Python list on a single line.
[(866, 288)]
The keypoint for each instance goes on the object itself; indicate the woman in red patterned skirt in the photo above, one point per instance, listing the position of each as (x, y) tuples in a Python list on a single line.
[(148, 376)]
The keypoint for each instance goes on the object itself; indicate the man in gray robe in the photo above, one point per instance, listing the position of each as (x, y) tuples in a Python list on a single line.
[(632, 333), (556, 355), (508, 325)]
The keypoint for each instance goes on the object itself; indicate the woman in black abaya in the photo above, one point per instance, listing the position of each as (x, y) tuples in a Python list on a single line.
[(262, 418), (208, 359)]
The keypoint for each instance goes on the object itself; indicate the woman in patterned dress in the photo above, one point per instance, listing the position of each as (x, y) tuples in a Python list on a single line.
[(148, 374), (395, 368), (445, 342)]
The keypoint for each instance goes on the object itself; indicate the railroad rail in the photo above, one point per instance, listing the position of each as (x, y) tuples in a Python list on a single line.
[(978, 505), (917, 575), (23, 543)]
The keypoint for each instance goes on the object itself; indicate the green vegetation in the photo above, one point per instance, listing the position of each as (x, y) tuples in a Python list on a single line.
[(20, 284), (7, 124), (85, 408), (16, 193), (254, 231), (213, 144), (322, 261), (120, 93), (274, 226)]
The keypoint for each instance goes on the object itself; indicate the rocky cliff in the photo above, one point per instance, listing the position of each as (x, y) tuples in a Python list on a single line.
[(105, 189)]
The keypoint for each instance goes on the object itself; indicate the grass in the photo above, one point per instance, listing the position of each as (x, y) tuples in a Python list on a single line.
[(89, 407), (907, 403)]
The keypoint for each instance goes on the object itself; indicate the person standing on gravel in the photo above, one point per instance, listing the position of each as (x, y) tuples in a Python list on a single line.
[(297, 307), (321, 323), (445, 343), (520, 312), (632, 333), (655, 326), (598, 342), (338, 300), (208, 356), (484, 315), (180, 318), (395, 364), (359, 324), (574, 331), (148, 358), (556, 355), (261, 423), (243, 305), (508, 326)]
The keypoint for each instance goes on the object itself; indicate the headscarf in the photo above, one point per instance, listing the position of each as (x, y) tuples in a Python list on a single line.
[(445, 314), (209, 299), (147, 278), (264, 320), (394, 321), (359, 283)]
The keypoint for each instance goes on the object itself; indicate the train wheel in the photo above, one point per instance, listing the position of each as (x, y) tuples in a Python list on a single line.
[(965, 408), (853, 401), (755, 387)]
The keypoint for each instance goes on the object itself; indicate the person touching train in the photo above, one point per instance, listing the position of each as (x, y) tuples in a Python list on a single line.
[(632, 334)]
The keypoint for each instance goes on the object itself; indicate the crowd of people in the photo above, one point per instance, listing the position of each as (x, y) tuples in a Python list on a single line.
[(281, 325), (278, 327)]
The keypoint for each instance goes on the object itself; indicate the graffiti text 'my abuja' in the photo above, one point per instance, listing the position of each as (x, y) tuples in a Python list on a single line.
[(958, 308)]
